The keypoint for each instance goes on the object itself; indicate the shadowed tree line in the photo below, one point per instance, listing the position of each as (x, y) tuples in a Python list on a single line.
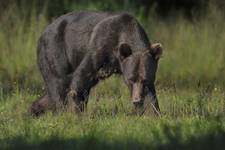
[(163, 8)]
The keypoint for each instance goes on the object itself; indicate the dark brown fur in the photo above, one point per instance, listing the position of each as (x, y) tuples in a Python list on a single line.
[(79, 49)]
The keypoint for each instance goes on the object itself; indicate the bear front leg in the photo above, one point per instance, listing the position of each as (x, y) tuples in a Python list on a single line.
[(83, 79), (75, 102)]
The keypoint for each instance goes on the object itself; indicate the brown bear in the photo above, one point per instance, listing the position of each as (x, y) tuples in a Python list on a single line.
[(79, 49)]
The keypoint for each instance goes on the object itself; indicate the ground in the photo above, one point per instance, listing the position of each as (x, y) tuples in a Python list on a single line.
[(191, 119)]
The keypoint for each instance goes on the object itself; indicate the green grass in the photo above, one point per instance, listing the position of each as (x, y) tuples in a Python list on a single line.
[(189, 120), (190, 86)]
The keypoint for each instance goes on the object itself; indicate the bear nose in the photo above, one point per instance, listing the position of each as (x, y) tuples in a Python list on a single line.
[(137, 101)]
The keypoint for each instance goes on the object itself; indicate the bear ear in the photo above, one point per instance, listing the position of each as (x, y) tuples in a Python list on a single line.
[(156, 50), (124, 51)]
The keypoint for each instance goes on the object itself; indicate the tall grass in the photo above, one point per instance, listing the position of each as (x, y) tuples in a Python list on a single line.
[(18, 38), (193, 50)]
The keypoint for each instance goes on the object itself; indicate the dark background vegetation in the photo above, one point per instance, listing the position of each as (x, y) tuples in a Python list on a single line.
[(164, 8)]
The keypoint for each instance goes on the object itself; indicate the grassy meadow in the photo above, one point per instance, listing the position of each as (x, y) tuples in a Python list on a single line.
[(190, 88)]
